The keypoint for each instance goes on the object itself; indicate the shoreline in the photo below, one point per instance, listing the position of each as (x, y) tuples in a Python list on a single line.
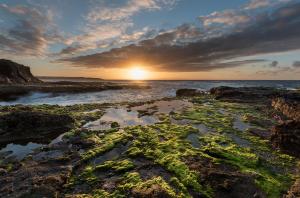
[(11, 92), (215, 138)]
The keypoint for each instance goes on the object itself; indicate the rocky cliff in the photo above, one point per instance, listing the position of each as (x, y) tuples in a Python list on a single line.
[(14, 73)]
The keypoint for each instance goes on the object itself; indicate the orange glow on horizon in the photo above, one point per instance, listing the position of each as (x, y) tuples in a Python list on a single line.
[(138, 73)]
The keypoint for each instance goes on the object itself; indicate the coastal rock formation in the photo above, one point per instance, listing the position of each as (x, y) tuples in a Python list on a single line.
[(12, 92), (25, 125), (14, 73), (286, 136), (289, 105), (244, 94), (188, 92)]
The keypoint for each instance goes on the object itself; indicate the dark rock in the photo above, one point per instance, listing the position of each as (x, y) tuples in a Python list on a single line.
[(188, 92), (2, 171), (245, 94), (115, 125), (34, 179), (262, 133), (286, 136), (14, 73), (40, 127), (289, 105)]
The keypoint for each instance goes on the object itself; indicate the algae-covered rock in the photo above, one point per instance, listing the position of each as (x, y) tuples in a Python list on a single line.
[(154, 191)]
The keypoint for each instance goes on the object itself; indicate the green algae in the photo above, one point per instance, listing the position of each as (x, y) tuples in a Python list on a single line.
[(104, 144), (165, 144), (118, 166)]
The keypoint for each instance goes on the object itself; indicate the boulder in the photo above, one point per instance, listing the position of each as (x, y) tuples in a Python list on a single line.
[(14, 73), (286, 136)]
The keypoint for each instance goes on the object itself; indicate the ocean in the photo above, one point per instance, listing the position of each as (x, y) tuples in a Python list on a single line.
[(159, 89)]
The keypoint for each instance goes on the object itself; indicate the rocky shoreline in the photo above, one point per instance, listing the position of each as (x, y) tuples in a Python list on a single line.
[(16, 80), (230, 142), (11, 92)]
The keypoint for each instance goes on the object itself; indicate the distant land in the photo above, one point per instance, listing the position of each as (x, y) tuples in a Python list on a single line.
[(73, 79)]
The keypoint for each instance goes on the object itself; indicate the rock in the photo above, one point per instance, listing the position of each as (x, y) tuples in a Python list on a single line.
[(188, 92), (39, 127), (10, 92), (294, 191), (115, 125), (154, 191), (2, 171), (34, 179), (262, 133), (245, 94), (48, 155), (289, 105), (286, 136), (14, 73)]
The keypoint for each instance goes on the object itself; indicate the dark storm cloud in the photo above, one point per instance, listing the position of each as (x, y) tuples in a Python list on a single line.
[(275, 32)]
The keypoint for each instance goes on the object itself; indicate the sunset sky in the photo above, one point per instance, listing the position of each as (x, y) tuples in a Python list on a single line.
[(157, 39)]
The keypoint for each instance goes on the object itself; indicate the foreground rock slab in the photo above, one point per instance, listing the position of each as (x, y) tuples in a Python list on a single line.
[(20, 126)]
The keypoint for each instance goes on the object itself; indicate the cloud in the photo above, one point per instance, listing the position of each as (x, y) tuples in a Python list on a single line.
[(131, 7), (254, 4), (296, 64), (274, 64), (227, 17), (30, 35), (186, 49), (106, 24)]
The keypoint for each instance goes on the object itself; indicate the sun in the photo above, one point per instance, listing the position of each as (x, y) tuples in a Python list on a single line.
[(137, 73)]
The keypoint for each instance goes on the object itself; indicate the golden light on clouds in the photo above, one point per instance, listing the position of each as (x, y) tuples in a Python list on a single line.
[(138, 73)]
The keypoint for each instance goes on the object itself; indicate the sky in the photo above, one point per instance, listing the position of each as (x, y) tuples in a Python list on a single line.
[(166, 39)]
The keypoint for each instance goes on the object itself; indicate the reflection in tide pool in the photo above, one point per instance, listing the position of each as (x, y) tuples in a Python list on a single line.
[(19, 151), (122, 117)]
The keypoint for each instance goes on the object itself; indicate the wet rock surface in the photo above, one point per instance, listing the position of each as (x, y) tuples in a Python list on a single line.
[(22, 126), (35, 179), (196, 147)]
